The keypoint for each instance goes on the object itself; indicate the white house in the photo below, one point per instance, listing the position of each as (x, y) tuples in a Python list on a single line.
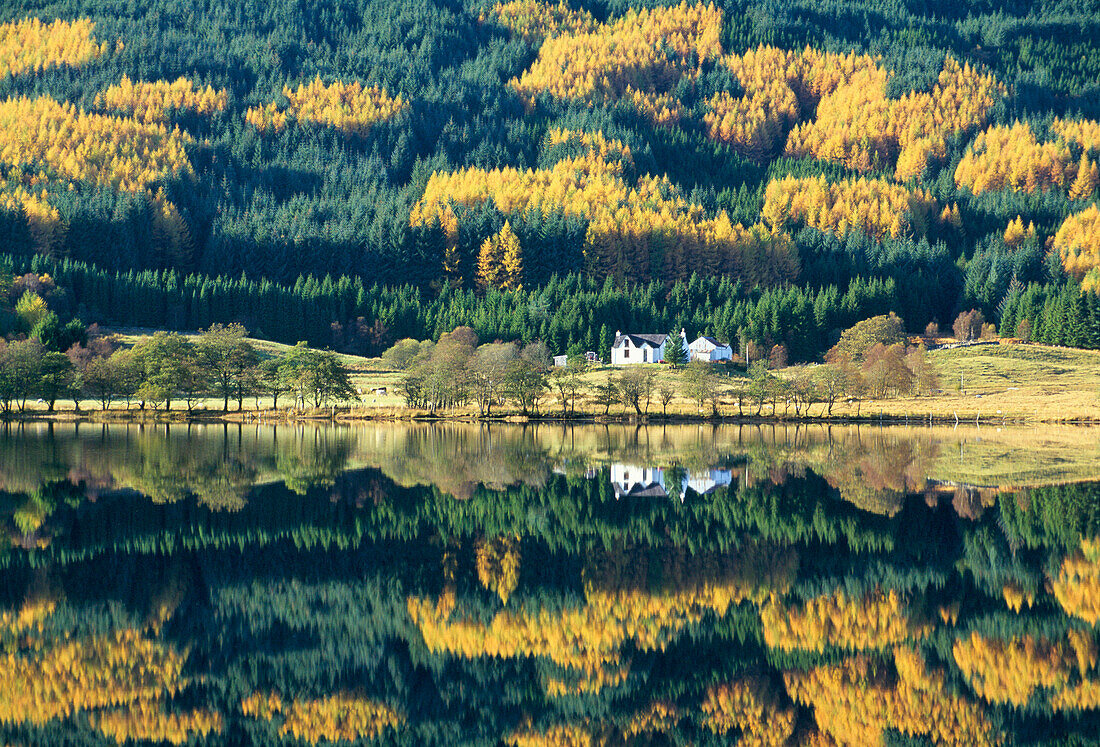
[(632, 481), (707, 481), (709, 349), (630, 349)]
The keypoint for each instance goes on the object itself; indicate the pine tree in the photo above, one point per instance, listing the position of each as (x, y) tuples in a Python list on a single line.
[(675, 354)]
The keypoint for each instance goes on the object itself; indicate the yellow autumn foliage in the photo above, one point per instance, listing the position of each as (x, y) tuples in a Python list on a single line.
[(658, 717), (1017, 234), (263, 706), (349, 107), (778, 86), (856, 701), (752, 706), (535, 21), (63, 142), (149, 722), (43, 220), (1010, 157), (561, 735), (1078, 242), (858, 125), (876, 620), (498, 562), (73, 675), (1077, 585), (619, 608), (630, 52), (877, 207), (1017, 596), (1083, 132), (626, 221), (153, 101), (30, 45), (30, 615), (343, 716), (1012, 670)]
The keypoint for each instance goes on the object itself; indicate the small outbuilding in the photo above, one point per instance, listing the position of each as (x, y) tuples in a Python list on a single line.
[(709, 349)]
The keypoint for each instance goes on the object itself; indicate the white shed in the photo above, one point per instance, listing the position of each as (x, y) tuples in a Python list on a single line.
[(709, 349)]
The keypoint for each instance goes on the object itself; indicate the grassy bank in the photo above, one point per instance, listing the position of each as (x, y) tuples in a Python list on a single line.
[(1001, 382)]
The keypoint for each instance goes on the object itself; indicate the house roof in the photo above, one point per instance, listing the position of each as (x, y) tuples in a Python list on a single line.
[(637, 340), (713, 341), (652, 490)]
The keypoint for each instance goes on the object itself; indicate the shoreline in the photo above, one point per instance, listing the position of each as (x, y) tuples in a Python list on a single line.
[(346, 416)]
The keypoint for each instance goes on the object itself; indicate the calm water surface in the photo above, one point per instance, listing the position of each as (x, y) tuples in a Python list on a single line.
[(467, 584)]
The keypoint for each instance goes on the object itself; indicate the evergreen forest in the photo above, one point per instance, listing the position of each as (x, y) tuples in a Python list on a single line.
[(355, 172)]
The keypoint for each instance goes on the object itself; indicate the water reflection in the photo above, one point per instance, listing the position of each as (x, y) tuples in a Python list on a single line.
[(637, 481), (458, 584)]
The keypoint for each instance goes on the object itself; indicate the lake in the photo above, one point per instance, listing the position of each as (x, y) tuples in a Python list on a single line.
[(438, 584)]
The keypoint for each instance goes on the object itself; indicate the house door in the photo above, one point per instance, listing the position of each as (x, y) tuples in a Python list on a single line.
[(645, 355)]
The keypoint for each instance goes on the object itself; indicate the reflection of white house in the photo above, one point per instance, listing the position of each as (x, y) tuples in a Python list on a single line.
[(629, 349), (632, 481), (706, 481), (709, 349)]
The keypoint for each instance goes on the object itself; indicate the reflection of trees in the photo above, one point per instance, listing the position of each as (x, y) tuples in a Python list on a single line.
[(875, 468), (456, 458), (216, 464), (315, 458), (640, 598), (121, 680)]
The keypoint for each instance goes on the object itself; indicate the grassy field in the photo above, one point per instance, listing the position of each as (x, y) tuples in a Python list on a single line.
[(1034, 383), (999, 382)]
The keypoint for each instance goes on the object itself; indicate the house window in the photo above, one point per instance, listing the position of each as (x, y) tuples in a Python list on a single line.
[(626, 353)]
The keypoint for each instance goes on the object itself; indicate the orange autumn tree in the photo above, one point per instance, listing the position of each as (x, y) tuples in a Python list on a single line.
[(639, 57), (631, 222), (46, 142), (1013, 670), (1012, 158), (859, 699), (349, 107), (860, 126), (1078, 244), (876, 620), (500, 261), (535, 21), (31, 46), (152, 101), (877, 207)]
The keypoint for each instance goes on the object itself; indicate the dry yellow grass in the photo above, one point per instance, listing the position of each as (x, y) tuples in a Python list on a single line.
[(1007, 382)]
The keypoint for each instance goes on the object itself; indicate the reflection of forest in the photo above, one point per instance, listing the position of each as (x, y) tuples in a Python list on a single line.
[(335, 604), (873, 467)]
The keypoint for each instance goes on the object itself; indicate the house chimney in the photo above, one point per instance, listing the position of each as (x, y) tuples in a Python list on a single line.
[(683, 333), (618, 333)]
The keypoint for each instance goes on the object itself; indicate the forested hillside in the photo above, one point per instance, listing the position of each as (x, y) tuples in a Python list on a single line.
[(352, 172)]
